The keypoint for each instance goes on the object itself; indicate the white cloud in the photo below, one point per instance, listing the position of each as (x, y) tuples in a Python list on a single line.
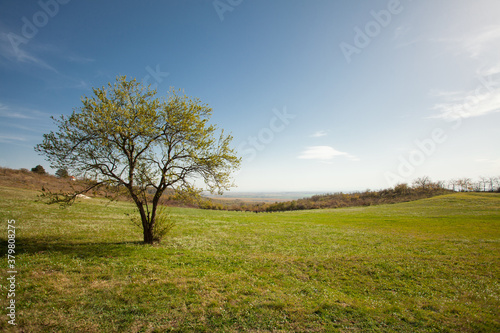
[(9, 138), (323, 153), (494, 70), (448, 95), (476, 44), (21, 113), (17, 54), (319, 134), (5, 112), (483, 100), (467, 105)]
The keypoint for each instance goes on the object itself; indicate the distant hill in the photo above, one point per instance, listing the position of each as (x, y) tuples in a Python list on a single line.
[(26, 179), (262, 196), (256, 201), (400, 193)]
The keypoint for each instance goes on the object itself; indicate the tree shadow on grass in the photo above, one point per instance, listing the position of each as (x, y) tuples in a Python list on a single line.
[(72, 248)]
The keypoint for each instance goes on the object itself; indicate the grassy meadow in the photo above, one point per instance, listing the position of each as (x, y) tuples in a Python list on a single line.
[(431, 265)]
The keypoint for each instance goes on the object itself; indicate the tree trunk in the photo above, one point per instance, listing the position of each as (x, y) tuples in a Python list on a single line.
[(148, 235), (148, 229), (147, 219), (147, 225)]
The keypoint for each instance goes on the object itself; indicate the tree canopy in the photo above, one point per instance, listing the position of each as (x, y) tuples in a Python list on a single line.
[(62, 173), (125, 136), (39, 170)]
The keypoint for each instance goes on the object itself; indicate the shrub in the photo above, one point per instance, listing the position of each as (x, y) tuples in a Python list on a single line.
[(62, 173), (39, 170), (163, 224)]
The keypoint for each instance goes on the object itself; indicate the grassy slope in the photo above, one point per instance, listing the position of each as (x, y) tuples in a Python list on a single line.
[(424, 266)]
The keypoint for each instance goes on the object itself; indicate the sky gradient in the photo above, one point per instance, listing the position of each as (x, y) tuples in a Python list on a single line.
[(319, 95)]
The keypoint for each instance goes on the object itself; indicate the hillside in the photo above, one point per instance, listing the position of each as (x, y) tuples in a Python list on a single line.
[(430, 265), (25, 179), (254, 202), (400, 193)]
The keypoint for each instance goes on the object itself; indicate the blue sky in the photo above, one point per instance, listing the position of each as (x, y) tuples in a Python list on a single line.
[(319, 95)]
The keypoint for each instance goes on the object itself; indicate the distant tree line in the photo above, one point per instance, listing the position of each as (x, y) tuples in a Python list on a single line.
[(421, 188), (40, 170), (483, 184)]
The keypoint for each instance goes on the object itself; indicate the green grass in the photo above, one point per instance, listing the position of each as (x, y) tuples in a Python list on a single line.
[(427, 266)]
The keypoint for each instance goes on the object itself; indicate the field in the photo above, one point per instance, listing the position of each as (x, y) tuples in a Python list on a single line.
[(431, 265)]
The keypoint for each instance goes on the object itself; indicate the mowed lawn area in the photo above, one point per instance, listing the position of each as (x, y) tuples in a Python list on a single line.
[(426, 266)]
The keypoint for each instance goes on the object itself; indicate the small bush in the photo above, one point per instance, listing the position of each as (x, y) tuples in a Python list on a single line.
[(62, 173), (39, 170), (163, 224)]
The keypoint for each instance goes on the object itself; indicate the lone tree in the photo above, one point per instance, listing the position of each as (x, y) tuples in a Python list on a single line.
[(39, 170), (125, 137), (62, 173)]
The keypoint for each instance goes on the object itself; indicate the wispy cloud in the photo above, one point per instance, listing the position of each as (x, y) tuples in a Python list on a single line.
[(489, 165), (10, 138), (7, 113), (479, 105), (323, 153), (21, 113), (404, 36), (26, 57), (476, 44), (480, 46), (449, 95), (319, 134), (20, 55), (79, 60), (483, 100), (491, 71), (35, 129), (401, 31)]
